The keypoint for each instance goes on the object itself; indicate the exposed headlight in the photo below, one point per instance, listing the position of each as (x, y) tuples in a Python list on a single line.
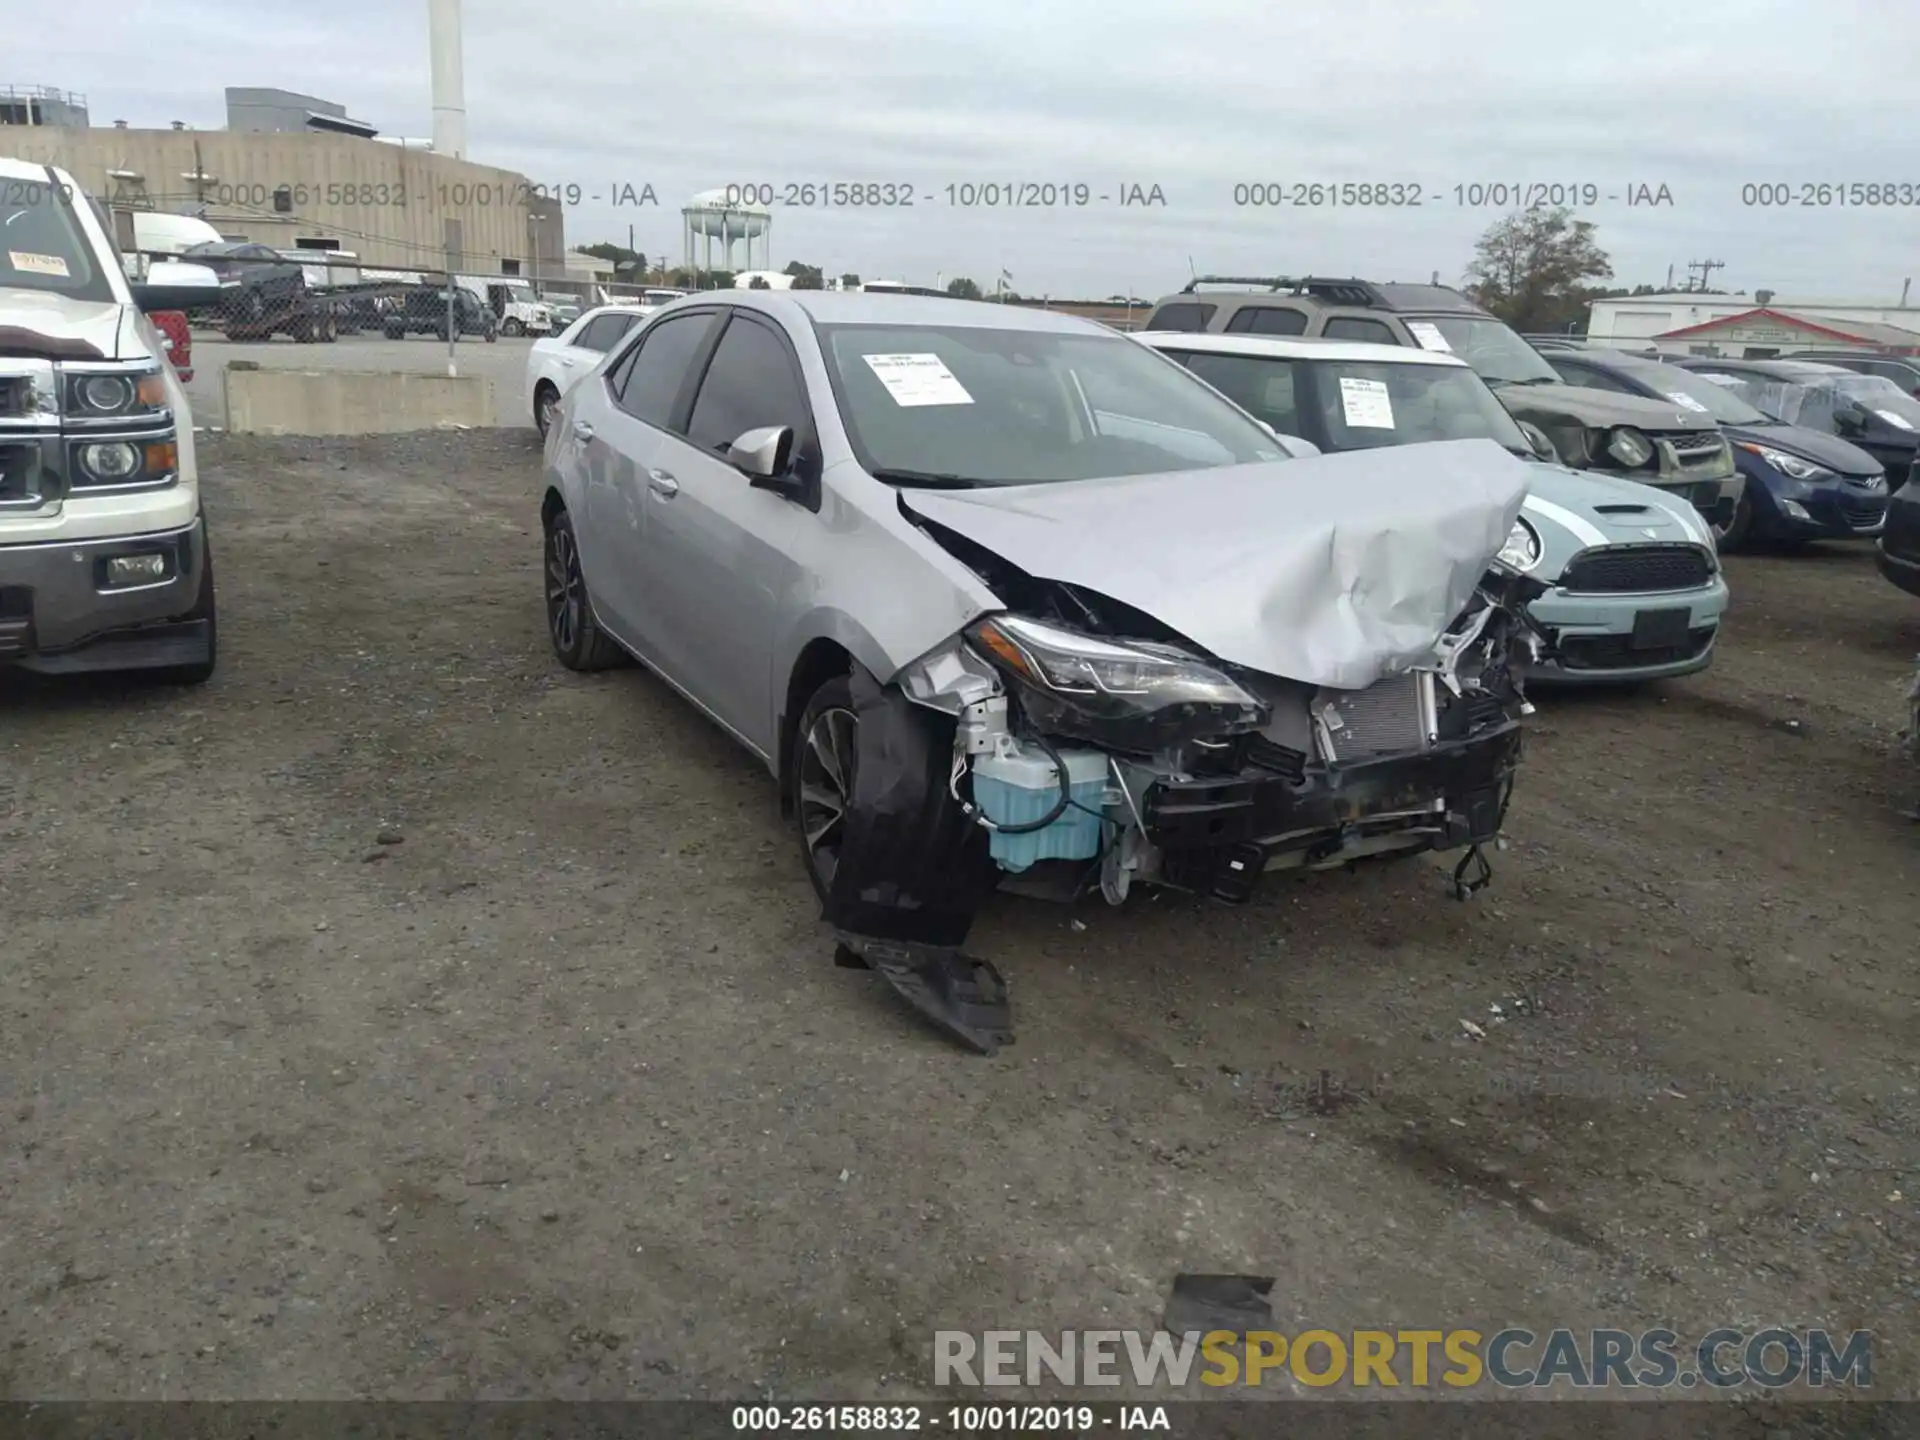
[(1629, 447), (1791, 466), (116, 395), (1522, 550), (1126, 697)]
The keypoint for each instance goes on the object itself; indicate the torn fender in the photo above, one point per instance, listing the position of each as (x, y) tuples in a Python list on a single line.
[(913, 868)]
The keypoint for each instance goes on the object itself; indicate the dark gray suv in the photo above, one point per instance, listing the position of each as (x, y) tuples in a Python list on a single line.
[(1643, 440)]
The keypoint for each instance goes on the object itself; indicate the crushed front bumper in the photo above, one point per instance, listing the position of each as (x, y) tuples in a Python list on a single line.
[(1218, 833), (58, 615)]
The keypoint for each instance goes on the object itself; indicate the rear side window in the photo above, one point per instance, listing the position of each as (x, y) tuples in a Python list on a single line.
[(1355, 327), (655, 373), (1182, 315), (603, 332), (750, 383), (1268, 320)]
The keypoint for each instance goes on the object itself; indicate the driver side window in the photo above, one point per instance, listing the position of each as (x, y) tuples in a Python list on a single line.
[(750, 383)]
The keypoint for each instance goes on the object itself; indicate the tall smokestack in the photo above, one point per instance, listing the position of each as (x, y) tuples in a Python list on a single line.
[(449, 89)]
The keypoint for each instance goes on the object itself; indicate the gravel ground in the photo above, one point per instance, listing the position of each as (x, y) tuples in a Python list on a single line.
[(404, 1016)]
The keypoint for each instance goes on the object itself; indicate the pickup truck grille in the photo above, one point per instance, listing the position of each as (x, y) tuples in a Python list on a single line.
[(1636, 569)]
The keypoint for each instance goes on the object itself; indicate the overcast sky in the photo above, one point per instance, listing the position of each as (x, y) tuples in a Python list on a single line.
[(1196, 98)]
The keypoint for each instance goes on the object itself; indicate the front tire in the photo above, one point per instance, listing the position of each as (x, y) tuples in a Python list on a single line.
[(578, 641), (514, 328), (546, 406), (820, 772)]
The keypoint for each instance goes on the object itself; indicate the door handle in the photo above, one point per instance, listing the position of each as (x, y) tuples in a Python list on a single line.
[(582, 430), (661, 483)]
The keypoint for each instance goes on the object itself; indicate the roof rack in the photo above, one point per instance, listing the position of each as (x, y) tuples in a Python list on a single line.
[(1340, 292)]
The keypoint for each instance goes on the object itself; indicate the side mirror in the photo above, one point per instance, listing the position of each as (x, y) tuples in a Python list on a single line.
[(150, 297), (763, 455), (1537, 439)]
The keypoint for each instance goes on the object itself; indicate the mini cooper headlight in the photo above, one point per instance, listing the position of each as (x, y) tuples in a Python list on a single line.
[(1522, 550)]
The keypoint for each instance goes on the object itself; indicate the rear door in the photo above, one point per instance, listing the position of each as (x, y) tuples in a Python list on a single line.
[(620, 424), (717, 553)]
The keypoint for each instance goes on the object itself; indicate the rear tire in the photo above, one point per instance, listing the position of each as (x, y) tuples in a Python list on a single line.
[(546, 402), (820, 778), (578, 641)]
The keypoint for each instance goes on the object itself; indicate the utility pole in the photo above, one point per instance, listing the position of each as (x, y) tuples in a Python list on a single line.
[(1706, 269)]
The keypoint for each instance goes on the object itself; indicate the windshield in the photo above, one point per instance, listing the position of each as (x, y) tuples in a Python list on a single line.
[(1362, 404), (522, 295), (1021, 407), (1720, 403), (42, 246), (1491, 348)]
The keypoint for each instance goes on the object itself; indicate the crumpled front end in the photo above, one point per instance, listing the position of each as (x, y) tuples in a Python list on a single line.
[(1096, 763)]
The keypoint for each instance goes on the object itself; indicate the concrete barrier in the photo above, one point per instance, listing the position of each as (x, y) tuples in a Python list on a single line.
[(272, 401)]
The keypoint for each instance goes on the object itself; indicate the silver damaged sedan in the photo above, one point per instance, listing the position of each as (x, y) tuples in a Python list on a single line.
[(1003, 598)]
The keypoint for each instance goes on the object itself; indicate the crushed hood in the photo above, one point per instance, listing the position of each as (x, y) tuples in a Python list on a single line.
[(1602, 409), (56, 326), (1335, 570)]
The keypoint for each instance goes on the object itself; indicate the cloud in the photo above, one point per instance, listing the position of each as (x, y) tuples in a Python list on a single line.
[(1195, 99)]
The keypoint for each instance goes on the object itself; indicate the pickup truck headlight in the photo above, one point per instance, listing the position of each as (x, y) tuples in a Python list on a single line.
[(1132, 698), (118, 394), (1629, 447)]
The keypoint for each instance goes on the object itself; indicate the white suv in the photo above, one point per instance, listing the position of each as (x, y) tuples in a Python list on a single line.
[(103, 549)]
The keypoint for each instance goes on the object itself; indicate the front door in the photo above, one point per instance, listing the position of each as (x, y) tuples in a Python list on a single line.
[(717, 552)]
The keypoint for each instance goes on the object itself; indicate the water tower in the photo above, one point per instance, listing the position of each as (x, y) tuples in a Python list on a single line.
[(708, 217)]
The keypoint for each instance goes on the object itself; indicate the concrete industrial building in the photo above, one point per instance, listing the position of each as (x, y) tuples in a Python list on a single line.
[(294, 171)]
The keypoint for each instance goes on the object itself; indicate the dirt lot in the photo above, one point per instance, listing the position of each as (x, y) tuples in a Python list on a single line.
[(557, 1091)]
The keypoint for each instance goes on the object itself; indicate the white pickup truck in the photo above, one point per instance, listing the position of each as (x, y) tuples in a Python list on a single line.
[(103, 548)]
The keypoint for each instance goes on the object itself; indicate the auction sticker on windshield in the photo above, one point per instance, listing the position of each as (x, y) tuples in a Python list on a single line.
[(1893, 419), (1429, 336), (28, 263), (918, 380), (1366, 404), (1686, 402)]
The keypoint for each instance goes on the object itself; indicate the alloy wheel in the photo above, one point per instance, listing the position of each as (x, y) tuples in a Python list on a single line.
[(566, 588), (826, 787), (549, 410)]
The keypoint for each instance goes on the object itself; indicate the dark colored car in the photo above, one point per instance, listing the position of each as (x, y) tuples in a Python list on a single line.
[(266, 283), (1903, 370), (1899, 555), (1802, 483), (1867, 411), (424, 312), (1664, 445)]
